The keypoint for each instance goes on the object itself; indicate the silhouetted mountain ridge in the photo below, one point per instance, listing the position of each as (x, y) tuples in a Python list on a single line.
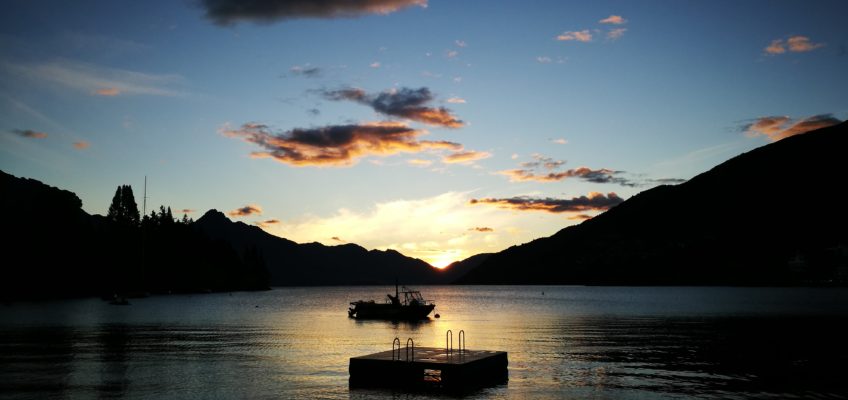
[(767, 216), (307, 264)]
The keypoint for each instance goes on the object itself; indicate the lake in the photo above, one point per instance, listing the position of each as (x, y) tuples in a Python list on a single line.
[(563, 341)]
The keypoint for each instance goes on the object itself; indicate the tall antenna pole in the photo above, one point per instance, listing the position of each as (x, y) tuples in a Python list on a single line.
[(144, 201)]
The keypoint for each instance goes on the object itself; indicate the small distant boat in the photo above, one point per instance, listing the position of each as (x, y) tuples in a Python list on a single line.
[(404, 305)]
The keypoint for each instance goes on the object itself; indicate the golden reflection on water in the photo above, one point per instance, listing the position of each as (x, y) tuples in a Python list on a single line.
[(568, 342)]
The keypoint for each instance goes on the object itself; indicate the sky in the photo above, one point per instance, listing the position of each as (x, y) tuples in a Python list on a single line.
[(440, 129)]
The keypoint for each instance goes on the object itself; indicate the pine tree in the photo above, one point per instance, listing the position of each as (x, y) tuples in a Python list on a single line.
[(115, 208), (123, 209)]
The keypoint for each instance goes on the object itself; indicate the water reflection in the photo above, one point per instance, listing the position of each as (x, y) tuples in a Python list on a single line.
[(569, 343)]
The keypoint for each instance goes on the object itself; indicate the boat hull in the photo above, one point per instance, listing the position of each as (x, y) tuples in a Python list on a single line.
[(390, 311)]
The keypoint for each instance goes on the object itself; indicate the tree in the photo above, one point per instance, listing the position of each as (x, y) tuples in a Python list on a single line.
[(123, 209)]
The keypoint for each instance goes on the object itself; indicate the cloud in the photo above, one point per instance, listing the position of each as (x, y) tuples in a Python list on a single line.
[(795, 44), (592, 202), (375, 64), (336, 145), (775, 47), (578, 36), (228, 12), (28, 133), (97, 80), (108, 92), (306, 71), (187, 211), (616, 33), (460, 43), (456, 100), (336, 238), (405, 103), (559, 141), (267, 223), (613, 19), (451, 53), (602, 175), (779, 127), (580, 217), (419, 162), (800, 44), (481, 229), (544, 60), (81, 145), (245, 211), (465, 157)]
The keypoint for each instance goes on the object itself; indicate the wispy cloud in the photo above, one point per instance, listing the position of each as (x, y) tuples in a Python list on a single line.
[(779, 127), (456, 100), (248, 210), (29, 133), (375, 64), (267, 223), (616, 33), (411, 104), (481, 229), (559, 141), (228, 12), (97, 80), (306, 70), (577, 36), (81, 145), (418, 162), (592, 202), (546, 169), (108, 92), (613, 19), (465, 157), (187, 211), (580, 217), (451, 53), (460, 43), (336, 145), (795, 44)]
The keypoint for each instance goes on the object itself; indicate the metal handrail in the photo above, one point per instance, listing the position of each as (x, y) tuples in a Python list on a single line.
[(407, 349), (461, 341), (449, 334), (398, 349)]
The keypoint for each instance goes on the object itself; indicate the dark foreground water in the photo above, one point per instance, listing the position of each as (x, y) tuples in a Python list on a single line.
[(563, 342)]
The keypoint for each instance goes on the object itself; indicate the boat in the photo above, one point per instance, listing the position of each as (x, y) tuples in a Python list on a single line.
[(404, 305)]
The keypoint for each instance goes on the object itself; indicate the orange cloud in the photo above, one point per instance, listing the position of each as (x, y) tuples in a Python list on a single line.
[(81, 145), (613, 19), (578, 36), (592, 202), (267, 223), (602, 175), (795, 44), (112, 91), (186, 211), (580, 217), (779, 127), (800, 44), (336, 145), (465, 157), (245, 211), (404, 102), (29, 133), (419, 162)]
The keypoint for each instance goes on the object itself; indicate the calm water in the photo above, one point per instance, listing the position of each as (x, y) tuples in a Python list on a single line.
[(570, 342)]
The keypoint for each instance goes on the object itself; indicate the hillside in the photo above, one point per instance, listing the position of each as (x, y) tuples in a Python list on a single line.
[(772, 215)]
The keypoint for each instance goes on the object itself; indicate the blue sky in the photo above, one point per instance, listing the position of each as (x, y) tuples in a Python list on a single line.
[(95, 94)]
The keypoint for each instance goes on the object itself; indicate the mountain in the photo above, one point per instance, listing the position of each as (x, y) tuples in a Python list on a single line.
[(308, 264), (54, 249), (773, 215)]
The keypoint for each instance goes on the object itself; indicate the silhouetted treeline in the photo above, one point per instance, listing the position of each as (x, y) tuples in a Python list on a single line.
[(55, 249)]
